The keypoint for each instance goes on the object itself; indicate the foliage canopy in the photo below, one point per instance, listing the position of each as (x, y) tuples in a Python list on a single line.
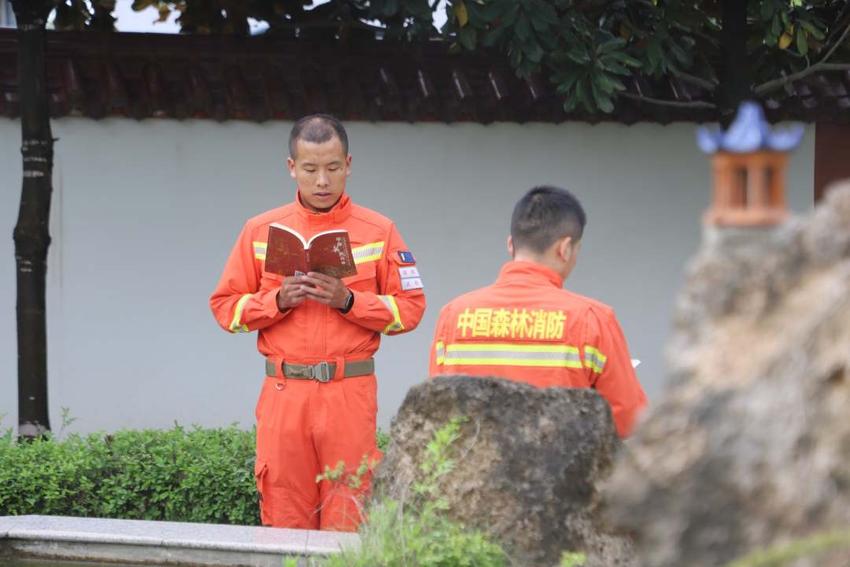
[(590, 49)]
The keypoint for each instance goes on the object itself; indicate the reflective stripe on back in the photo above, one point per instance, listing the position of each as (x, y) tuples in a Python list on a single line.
[(509, 354)]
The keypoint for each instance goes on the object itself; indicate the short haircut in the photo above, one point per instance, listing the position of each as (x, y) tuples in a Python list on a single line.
[(546, 214), (317, 129)]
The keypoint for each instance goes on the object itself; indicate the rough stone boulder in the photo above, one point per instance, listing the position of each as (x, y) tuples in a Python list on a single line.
[(750, 446), (527, 463)]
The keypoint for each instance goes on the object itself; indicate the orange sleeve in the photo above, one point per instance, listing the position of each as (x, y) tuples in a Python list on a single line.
[(605, 355), (238, 303), (438, 345), (400, 303)]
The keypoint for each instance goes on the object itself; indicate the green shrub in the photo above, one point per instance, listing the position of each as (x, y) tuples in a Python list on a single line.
[(193, 475), (179, 474), (417, 533)]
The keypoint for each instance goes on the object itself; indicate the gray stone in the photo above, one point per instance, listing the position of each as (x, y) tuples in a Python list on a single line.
[(161, 543), (750, 446), (527, 463), (826, 237)]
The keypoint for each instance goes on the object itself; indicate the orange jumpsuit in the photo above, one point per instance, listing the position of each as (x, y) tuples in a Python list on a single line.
[(526, 327), (304, 425)]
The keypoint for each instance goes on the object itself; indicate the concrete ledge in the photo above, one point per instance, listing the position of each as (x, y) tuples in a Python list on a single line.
[(174, 543)]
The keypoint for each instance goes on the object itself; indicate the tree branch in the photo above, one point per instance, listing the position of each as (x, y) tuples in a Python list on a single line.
[(672, 103), (821, 65), (694, 80), (836, 45)]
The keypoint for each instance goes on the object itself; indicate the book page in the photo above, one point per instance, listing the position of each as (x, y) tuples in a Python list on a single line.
[(293, 232), (330, 253), (285, 254)]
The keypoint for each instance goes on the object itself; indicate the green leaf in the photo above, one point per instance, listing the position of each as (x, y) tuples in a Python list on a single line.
[(612, 66), (489, 39), (534, 52), (468, 37), (812, 29), (654, 56), (510, 15), (516, 58), (603, 101), (566, 82), (625, 58), (522, 29), (776, 26), (543, 17), (612, 44), (802, 42), (578, 55), (679, 53), (610, 83), (582, 95)]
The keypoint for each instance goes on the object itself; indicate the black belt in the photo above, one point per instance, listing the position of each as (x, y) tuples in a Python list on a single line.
[(321, 371)]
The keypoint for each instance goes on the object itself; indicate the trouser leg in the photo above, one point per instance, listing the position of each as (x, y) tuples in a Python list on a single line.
[(286, 465), (345, 431)]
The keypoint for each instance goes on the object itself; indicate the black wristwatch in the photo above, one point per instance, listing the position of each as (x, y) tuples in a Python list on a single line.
[(349, 303)]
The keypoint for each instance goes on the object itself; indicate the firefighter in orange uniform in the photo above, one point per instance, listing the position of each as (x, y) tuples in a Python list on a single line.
[(526, 327), (318, 335)]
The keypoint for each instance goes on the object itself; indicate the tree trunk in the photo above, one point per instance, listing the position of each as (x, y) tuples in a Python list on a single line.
[(735, 80), (32, 236)]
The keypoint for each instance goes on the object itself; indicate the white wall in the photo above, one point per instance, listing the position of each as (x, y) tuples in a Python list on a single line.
[(144, 214), (7, 14)]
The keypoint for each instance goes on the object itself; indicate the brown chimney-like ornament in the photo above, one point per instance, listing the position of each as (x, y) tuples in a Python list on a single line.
[(749, 162)]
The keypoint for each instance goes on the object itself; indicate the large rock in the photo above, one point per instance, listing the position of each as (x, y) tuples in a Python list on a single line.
[(751, 444), (527, 463)]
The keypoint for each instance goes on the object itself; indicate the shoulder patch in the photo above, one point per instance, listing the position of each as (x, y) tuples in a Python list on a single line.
[(406, 257), (410, 278)]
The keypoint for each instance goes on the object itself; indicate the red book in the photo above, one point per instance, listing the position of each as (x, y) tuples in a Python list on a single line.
[(327, 252)]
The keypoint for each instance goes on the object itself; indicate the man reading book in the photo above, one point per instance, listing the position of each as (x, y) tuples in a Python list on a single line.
[(318, 334)]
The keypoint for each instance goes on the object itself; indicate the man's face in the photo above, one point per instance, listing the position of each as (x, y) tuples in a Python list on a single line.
[(320, 171)]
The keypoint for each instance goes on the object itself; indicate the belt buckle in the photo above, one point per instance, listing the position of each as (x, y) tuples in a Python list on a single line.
[(322, 372)]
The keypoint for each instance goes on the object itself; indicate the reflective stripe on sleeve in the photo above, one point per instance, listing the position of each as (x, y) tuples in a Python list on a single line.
[(594, 359), (511, 354), (236, 325), (368, 252), (260, 250), (440, 352), (389, 303)]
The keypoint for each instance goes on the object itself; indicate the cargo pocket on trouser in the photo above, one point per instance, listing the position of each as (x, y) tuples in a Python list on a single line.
[(261, 469)]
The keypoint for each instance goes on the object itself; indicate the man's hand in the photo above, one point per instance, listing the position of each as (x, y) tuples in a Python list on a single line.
[(293, 292), (327, 290)]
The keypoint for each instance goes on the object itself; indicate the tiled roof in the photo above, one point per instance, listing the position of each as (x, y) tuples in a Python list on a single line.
[(272, 78)]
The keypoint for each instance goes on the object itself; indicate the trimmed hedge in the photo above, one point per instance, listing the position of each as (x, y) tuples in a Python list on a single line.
[(179, 474), (191, 475)]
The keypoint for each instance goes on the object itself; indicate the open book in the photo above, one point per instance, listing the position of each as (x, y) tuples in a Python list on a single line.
[(327, 252)]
